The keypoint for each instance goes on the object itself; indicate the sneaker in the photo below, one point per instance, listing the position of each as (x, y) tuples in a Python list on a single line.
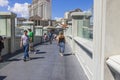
[(61, 54), (35, 52), (29, 51), (24, 60)]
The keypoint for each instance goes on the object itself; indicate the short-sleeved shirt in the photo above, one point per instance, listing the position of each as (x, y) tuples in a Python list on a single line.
[(25, 39), (31, 35)]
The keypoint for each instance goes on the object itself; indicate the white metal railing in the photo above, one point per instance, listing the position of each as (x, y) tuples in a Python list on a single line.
[(85, 44), (114, 65)]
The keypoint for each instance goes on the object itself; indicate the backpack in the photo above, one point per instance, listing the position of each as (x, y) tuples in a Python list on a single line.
[(1, 43)]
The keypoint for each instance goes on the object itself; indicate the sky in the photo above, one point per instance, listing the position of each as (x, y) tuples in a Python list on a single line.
[(59, 7)]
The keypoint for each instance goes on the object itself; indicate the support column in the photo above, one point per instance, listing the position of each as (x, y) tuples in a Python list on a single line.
[(106, 39), (8, 22), (46, 12), (43, 11)]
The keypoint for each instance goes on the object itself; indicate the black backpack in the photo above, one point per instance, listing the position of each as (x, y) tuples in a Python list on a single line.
[(1, 43)]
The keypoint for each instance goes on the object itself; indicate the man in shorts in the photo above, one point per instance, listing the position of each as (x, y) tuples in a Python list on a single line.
[(31, 36)]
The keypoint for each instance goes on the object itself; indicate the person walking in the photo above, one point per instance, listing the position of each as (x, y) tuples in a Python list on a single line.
[(1, 47), (31, 43), (50, 34), (61, 43), (45, 37), (25, 44)]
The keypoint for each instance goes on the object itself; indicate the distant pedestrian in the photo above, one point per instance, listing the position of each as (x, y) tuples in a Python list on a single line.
[(1, 47), (45, 37), (61, 43), (50, 34), (55, 36), (25, 44)]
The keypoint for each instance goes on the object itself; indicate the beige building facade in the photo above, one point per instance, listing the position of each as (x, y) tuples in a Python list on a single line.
[(41, 8)]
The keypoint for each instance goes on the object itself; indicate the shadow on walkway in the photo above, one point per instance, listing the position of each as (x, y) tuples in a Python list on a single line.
[(9, 60), (45, 44), (67, 54), (15, 59), (33, 58), (2, 77), (41, 52)]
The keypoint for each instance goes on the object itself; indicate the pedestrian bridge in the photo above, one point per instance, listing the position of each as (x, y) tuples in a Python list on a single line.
[(84, 59)]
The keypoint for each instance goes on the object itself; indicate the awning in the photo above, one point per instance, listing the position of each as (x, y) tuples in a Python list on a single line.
[(50, 27)]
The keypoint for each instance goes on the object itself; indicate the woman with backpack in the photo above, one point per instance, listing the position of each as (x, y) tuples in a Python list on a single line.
[(61, 43)]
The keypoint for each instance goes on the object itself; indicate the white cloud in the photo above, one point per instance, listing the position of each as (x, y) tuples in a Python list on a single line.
[(58, 18), (88, 11), (8, 7), (20, 9), (4, 3)]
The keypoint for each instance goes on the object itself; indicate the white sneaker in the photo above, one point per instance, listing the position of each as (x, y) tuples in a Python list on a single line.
[(61, 54), (29, 52), (34, 52)]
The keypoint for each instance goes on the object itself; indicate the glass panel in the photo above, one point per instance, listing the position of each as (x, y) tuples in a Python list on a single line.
[(3, 26), (38, 32), (19, 31), (79, 28), (84, 29), (8, 29)]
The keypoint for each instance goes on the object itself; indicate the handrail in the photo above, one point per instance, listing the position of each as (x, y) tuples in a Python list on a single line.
[(114, 63), (86, 45)]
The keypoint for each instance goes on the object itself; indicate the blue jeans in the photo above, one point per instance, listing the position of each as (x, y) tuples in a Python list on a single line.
[(26, 49), (61, 47), (50, 39)]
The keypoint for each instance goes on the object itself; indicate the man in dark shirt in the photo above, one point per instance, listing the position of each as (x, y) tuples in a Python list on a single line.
[(1, 47), (50, 34)]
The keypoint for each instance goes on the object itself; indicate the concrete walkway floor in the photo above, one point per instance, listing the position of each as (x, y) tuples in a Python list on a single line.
[(47, 64)]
